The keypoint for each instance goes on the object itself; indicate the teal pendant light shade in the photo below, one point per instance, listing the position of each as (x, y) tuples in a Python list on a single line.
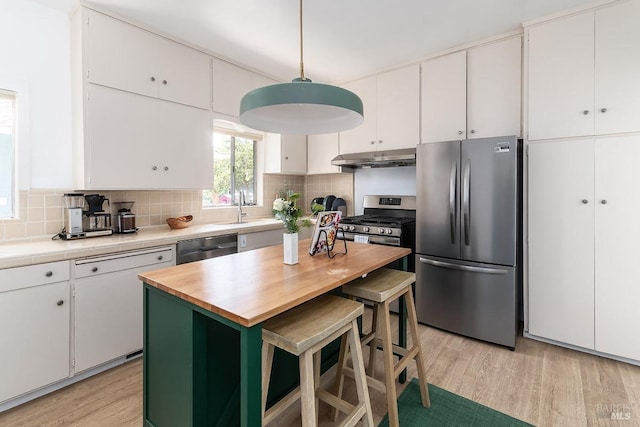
[(301, 108)]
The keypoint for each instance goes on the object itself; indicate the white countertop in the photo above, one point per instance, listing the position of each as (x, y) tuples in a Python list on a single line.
[(36, 251)]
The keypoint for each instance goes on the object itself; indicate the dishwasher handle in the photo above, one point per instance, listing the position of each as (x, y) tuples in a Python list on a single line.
[(222, 246)]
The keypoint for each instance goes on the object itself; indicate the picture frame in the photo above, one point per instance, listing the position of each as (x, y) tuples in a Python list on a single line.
[(325, 232)]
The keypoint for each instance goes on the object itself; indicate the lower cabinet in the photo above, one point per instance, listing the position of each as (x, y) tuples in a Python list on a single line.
[(35, 315), (262, 239), (108, 304), (583, 234)]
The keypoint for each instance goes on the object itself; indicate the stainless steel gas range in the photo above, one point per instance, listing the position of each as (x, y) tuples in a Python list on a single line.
[(387, 220)]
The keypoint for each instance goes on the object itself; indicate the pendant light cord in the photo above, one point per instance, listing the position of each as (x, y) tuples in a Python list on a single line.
[(301, 54)]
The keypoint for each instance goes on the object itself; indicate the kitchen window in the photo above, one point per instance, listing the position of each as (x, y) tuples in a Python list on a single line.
[(7, 153), (234, 169)]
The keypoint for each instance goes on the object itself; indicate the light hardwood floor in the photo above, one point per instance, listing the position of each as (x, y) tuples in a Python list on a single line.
[(539, 383)]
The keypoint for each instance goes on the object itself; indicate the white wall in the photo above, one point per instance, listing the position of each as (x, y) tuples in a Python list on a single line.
[(394, 181), (35, 49)]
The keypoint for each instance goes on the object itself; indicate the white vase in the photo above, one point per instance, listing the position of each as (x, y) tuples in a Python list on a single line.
[(290, 245)]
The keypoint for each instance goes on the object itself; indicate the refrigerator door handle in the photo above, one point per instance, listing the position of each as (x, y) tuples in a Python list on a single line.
[(469, 268), (452, 201), (465, 202)]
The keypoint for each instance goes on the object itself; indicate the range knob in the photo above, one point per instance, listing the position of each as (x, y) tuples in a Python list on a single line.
[(389, 231), (365, 229), (352, 228), (381, 230)]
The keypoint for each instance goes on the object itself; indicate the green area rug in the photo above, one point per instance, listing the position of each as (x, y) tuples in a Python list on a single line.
[(447, 409)]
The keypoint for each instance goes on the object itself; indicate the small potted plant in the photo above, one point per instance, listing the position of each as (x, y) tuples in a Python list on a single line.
[(287, 211)]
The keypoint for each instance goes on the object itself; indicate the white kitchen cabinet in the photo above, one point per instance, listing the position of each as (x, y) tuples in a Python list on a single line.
[(285, 154), (136, 142), (321, 149), (444, 98), (259, 239), (617, 233), (35, 318), (474, 93), (561, 241), (583, 233), (231, 83), (362, 138), (108, 304), (123, 56), (130, 132), (391, 103), (494, 88), (582, 76)]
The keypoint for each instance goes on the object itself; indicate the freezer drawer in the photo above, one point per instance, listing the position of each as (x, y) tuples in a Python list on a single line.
[(472, 299)]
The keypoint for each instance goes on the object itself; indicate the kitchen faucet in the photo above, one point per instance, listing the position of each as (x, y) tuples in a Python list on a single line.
[(241, 201)]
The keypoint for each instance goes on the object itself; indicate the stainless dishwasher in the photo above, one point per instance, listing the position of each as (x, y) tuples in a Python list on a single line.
[(206, 247)]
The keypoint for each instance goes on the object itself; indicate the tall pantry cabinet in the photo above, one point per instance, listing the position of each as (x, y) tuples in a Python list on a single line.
[(583, 101)]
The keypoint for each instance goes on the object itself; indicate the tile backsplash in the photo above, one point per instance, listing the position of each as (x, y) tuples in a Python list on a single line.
[(41, 212)]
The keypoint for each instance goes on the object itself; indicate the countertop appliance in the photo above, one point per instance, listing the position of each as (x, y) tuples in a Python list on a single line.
[(468, 246), (206, 247), (79, 223), (125, 219), (387, 220)]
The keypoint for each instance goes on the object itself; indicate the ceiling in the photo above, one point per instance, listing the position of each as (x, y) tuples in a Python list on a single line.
[(343, 39)]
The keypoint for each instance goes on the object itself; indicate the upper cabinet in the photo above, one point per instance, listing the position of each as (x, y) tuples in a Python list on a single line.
[(321, 149), (391, 112), (285, 154), (126, 57), (141, 108), (472, 94), (230, 84), (582, 74)]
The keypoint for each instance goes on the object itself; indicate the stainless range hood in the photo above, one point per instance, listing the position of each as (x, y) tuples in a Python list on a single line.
[(377, 159)]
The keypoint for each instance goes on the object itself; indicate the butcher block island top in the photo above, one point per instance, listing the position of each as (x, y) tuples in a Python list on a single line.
[(250, 287)]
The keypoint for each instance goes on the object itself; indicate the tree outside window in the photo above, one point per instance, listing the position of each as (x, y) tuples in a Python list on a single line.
[(233, 170)]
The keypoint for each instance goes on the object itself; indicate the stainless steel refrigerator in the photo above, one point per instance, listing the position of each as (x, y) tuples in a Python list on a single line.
[(467, 237)]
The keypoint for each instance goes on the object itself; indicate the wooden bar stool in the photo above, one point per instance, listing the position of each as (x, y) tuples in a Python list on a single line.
[(381, 287), (304, 331)]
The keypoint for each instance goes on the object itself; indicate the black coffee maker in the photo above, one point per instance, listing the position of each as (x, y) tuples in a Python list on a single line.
[(96, 218)]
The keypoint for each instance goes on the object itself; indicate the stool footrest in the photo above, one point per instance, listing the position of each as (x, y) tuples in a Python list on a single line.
[(281, 405), (335, 401), (404, 361), (374, 383)]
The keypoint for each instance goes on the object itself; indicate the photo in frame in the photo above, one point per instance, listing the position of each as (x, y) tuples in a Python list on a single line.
[(325, 232)]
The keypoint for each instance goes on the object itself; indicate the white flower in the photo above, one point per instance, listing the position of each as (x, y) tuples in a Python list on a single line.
[(279, 204)]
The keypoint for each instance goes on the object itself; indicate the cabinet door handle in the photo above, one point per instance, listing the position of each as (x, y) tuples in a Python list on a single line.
[(154, 168), (460, 132), (94, 269), (604, 110), (373, 142), (153, 79), (585, 112), (164, 82), (49, 273), (166, 168), (60, 302), (160, 258), (380, 141), (585, 201), (603, 201), (473, 131)]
